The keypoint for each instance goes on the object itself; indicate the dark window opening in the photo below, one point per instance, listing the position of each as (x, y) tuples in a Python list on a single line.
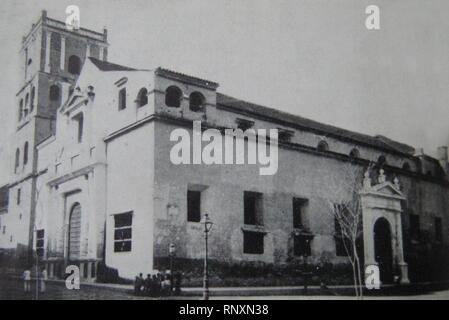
[(193, 206), (381, 161), (323, 146), (122, 99), (80, 126), (438, 229), (33, 94), (244, 124), (142, 98), (30, 61), (123, 232), (301, 246), (253, 214), (19, 193), (196, 101), (414, 227), (354, 153), (285, 135), (299, 206), (54, 93), (173, 96), (25, 153), (21, 109), (17, 162), (253, 242), (406, 166), (74, 65)]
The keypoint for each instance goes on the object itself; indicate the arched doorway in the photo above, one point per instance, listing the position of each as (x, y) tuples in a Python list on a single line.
[(382, 249), (74, 232)]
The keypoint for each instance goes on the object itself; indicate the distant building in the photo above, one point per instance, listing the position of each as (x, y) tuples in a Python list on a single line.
[(92, 182)]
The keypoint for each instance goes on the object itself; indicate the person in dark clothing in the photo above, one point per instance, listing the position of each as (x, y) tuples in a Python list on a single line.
[(148, 284), (155, 286), (138, 284)]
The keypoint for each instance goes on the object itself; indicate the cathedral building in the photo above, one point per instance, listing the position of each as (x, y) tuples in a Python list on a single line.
[(92, 182)]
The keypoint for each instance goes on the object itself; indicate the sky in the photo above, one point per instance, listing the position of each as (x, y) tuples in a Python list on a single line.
[(313, 58)]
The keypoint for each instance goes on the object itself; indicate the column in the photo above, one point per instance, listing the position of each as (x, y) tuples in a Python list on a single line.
[(62, 59), (101, 54), (47, 51), (403, 266)]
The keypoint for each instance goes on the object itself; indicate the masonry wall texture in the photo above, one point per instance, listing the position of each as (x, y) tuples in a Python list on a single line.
[(117, 160)]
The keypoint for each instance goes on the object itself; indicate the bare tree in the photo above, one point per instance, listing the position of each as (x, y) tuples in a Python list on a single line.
[(346, 210)]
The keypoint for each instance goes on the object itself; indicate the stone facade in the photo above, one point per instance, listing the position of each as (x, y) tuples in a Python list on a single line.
[(100, 183)]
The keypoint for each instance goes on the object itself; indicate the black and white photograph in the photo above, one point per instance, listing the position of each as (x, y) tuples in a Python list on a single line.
[(224, 150)]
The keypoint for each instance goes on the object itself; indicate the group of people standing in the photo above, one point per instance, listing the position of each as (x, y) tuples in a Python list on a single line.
[(158, 284), (43, 277)]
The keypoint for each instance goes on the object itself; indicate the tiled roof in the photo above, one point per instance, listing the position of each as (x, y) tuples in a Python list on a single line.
[(321, 128), (183, 77), (108, 66)]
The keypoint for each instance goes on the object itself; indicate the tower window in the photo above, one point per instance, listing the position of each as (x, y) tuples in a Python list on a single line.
[(74, 65), (122, 99), (20, 109), (33, 94), (173, 96), (17, 162), (142, 97), (196, 101), (54, 93), (19, 193), (25, 153)]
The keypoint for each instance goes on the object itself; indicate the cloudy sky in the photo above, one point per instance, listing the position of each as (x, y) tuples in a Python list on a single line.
[(313, 58)]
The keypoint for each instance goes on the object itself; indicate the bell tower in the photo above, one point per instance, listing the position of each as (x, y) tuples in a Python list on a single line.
[(52, 57)]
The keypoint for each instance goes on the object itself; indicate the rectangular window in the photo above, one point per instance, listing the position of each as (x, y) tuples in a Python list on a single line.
[(438, 229), (414, 227), (193, 206), (40, 242), (301, 246), (253, 242), (298, 212), (253, 213), (123, 232), (340, 240), (19, 193), (122, 99), (79, 119)]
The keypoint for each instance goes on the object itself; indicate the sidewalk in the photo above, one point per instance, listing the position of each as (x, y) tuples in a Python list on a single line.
[(336, 290)]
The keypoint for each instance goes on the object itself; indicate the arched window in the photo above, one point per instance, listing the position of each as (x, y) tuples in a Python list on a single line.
[(54, 93), (25, 153), (406, 166), (173, 96), (74, 65), (323, 146), (74, 237), (142, 98), (196, 101), (381, 160), (17, 163), (355, 153), (20, 109), (27, 99), (33, 94)]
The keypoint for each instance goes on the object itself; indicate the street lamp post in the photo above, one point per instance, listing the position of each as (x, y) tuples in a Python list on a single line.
[(207, 226), (171, 251)]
